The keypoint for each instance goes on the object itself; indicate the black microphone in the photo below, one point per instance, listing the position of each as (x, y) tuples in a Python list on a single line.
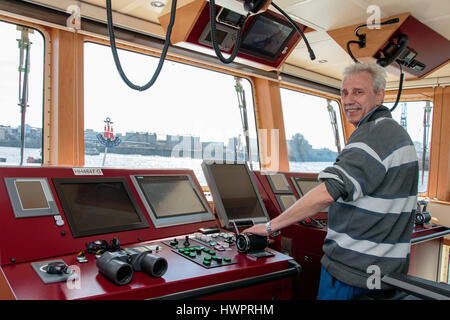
[(390, 21), (362, 37)]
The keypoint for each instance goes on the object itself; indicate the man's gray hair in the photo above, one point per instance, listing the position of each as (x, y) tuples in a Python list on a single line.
[(378, 73)]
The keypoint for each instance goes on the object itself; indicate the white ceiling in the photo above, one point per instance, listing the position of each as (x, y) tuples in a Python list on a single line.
[(321, 15)]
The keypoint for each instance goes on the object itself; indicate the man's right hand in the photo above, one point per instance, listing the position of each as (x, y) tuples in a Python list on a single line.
[(259, 229)]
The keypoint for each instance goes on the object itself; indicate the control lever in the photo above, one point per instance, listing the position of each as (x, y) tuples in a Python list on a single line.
[(186, 242), (57, 267), (81, 257), (310, 222), (251, 244), (100, 246)]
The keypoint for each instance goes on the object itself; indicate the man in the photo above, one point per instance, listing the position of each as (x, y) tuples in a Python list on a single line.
[(371, 191)]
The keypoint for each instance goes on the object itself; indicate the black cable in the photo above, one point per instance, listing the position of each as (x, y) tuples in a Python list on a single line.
[(112, 39), (237, 46), (350, 51), (362, 37), (390, 21), (400, 87), (311, 52)]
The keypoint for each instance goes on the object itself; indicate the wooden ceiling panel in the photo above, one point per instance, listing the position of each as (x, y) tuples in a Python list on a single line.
[(136, 8)]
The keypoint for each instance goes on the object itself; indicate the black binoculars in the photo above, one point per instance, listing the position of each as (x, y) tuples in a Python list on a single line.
[(119, 266)]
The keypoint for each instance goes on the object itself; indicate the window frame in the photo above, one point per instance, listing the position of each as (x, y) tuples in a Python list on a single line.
[(46, 82)]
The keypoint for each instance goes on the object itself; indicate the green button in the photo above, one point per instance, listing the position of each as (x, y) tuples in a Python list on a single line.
[(212, 252), (227, 259), (207, 258), (207, 263), (192, 255)]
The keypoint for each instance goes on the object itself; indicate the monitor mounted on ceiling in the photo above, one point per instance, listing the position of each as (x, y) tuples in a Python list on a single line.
[(266, 37)]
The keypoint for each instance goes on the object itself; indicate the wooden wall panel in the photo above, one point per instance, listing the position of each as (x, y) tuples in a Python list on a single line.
[(270, 124), (66, 112), (441, 104)]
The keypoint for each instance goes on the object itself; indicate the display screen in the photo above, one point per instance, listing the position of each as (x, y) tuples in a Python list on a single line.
[(170, 196), (285, 201), (31, 197), (234, 192), (279, 183), (266, 36), (98, 205), (304, 185), (220, 36), (171, 199)]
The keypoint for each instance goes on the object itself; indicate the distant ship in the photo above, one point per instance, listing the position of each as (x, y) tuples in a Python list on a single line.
[(34, 160)]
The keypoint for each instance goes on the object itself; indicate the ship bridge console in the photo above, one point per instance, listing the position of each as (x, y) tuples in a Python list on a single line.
[(303, 240), (91, 233)]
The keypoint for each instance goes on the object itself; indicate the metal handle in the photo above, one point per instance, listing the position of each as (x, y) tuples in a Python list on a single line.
[(294, 269)]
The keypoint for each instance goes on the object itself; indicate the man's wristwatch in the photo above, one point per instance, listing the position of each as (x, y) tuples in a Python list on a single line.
[(270, 232)]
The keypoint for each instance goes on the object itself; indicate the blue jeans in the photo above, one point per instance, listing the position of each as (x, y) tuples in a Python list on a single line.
[(332, 289)]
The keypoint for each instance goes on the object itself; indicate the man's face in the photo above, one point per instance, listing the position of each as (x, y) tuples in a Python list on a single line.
[(358, 97)]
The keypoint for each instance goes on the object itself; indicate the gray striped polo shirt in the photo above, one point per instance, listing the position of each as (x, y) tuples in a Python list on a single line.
[(374, 185)]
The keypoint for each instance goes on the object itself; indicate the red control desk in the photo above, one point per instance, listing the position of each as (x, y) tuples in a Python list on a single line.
[(31, 239), (184, 279)]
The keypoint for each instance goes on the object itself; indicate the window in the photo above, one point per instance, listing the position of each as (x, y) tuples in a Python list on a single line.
[(14, 78), (416, 118), (312, 125), (188, 115)]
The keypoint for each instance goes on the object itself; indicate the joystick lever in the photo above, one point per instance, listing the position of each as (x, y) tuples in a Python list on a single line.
[(186, 242)]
